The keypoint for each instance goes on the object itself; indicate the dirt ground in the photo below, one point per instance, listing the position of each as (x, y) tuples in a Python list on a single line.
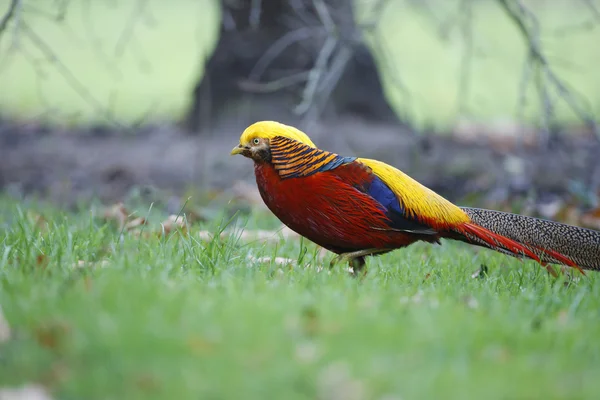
[(69, 166)]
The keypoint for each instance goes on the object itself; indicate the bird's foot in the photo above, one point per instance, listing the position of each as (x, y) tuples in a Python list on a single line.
[(355, 259)]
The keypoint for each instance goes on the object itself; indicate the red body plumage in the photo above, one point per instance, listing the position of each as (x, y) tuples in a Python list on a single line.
[(327, 209)]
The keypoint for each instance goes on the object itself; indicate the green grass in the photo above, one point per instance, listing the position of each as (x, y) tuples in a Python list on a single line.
[(176, 317), (152, 77)]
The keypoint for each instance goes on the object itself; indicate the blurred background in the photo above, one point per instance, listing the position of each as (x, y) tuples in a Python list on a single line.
[(491, 103)]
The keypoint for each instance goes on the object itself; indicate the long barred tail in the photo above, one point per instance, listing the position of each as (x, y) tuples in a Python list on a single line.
[(547, 242)]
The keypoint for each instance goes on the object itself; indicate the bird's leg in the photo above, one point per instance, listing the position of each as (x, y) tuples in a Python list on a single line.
[(352, 256), (358, 265)]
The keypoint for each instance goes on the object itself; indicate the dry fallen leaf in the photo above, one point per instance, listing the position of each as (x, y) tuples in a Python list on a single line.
[(193, 217), (25, 392), (135, 223), (4, 328), (277, 260), (568, 214), (42, 261), (52, 335), (91, 264), (591, 219), (254, 235), (118, 213), (174, 222)]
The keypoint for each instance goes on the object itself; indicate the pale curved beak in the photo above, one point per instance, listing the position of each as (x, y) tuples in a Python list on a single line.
[(237, 150)]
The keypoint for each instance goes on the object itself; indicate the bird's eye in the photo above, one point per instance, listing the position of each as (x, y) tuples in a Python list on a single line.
[(256, 141)]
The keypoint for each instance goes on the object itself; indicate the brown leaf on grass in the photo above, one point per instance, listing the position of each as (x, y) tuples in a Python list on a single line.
[(272, 236), (117, 213), (4, 328), (591, 219), (41, 261), (310, 321), (143, 234), (91, 264), (281, 261), (25, 392), (568, 214), (174, 222), (52, 335), (192, 217), (135, 223)]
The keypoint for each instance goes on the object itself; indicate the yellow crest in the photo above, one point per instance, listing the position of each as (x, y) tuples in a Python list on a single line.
[(271, 129)]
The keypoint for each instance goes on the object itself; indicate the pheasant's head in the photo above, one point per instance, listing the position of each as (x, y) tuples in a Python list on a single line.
[(255, 140)]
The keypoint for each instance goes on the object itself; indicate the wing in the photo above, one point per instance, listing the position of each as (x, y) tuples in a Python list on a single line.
[(417, 202), (399, 220), (292, 159)]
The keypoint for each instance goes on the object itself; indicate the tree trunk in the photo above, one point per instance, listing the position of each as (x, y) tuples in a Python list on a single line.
[(261, 66)]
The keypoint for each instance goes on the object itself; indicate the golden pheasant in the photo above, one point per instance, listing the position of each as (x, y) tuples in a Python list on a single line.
[(356, 207)]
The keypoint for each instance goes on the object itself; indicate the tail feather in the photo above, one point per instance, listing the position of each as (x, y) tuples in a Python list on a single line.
[(541, 240)]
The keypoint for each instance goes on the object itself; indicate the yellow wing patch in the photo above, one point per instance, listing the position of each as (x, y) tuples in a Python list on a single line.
[(418, 201), (272, 129)]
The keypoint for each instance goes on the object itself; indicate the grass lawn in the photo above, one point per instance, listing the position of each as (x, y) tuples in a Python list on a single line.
[(182, 318)]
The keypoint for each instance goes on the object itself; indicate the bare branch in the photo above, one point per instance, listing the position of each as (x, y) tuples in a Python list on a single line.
[(10, 13), (523, 86), (255, 10), (315, 75), (279, 46), (102, 56), (324, 16), (127, 33), (329, 82), (518, 13), (62, 69), (593, 8), (275, 85), (467, 58)]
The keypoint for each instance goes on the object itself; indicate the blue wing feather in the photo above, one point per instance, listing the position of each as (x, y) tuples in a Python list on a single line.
[(381, 192), (384, 195), (336, 162)]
